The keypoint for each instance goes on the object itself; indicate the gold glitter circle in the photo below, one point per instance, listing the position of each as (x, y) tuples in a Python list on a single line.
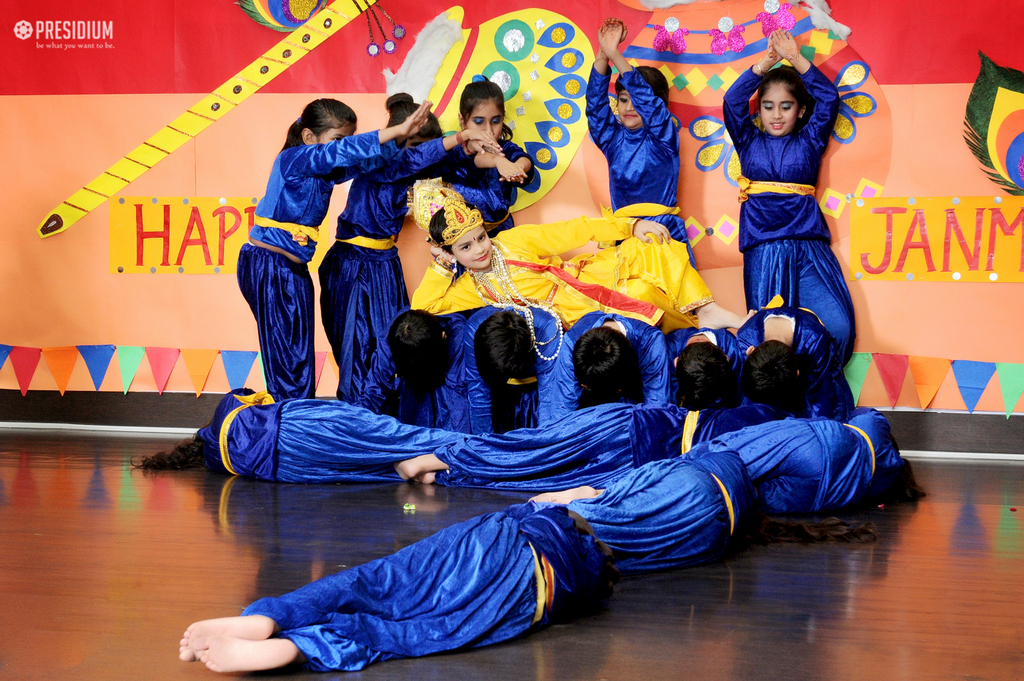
[(564, 111), (860, 104), (569, 60), (572, 86), (558, 36), (706, 128), (544, 156), (844, 128), (709, 156), (734, 166), (854, 75), (555, 134), (301, 9)]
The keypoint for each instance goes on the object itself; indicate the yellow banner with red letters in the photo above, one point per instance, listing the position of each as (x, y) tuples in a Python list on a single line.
[(188, 235), (938, 239)]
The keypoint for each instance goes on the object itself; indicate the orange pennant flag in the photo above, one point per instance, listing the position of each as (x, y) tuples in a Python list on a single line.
[(334, 363), (199, 363), (61, 362), (929, 373)]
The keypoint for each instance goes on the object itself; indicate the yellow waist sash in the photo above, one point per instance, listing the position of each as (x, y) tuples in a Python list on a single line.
[(367, 242), (507, 215), (748, 187), (301, 234), (689, 429), (545, 576), (871, 447), (728, 503), (247, 401), (522, 381)]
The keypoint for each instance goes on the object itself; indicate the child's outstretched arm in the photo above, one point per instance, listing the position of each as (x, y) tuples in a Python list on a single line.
[(600, 119), (736, 103), (409, 126), (609, 36)]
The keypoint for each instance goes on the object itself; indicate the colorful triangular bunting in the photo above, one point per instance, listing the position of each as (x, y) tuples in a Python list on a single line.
[(25, 361), (928, 372), (129, 357), (893, 369), (4, 351), (237, 365), (1011, 383), (855, 371), (162, 361), (320, 358), (199, 363), (972, 378), (263, 372), (97, 360), (61, 362)]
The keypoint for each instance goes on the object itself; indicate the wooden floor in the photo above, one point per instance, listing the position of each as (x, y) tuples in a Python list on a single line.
[(102, 567)]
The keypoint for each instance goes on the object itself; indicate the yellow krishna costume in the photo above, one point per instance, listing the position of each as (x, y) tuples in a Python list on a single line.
[(652, 282)]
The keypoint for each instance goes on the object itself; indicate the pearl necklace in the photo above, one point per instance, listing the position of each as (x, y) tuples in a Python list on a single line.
[(506, 294)]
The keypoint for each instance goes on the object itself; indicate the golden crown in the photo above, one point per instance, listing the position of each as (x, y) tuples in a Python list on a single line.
[(429, 196)]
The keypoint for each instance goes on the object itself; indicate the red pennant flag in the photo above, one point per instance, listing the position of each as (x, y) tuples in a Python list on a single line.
[(893, 369), (162, 361), (199, 363), (321, 357), (25, 361), (61, 362)]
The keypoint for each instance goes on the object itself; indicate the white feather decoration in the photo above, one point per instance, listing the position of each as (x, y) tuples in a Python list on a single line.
[(419, 71), (821, 17)]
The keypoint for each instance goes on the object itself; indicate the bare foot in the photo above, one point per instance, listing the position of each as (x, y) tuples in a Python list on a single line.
[(426, 478), (418, 467), (233, 654), (196, 637)]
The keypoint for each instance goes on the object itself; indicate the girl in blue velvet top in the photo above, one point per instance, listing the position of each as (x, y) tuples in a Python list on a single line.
[(273, 273), (488, 181), (783, 235), (362, 287), (642, 145)]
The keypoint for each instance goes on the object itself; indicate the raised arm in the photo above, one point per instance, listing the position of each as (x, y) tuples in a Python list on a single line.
[(362, 153), (658, 121), (430, 154), (826, 96), (736, 103)]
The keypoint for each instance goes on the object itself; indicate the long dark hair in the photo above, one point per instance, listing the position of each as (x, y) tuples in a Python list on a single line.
[(789, 78), (419, 350), (478, 92), (401, 105), (760, 529), (318, 116), (607, 368), (185, 455)]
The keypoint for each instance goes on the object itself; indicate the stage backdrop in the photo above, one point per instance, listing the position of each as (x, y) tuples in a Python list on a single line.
[(137, 138)]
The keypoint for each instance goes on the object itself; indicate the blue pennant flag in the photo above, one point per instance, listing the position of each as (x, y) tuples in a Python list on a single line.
[(237, 365), (4, 351), (972, 378), (97, 359)]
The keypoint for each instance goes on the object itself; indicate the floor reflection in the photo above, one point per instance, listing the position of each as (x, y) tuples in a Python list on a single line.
[(101, 567)]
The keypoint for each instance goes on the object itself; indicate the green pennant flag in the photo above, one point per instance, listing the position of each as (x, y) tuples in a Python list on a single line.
[(855, 371), (1011, 383), (263, 373), (129, 357)]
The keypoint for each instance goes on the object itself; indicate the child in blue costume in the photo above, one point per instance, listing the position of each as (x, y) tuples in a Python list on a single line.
[(783, 235), (362, 287), (642, 146), (488, 181), (705, 368), (670, 513), (418, 375), (820, 387), (810, 465), (647, 343), (508, 375), (273, 268), (486, 580)]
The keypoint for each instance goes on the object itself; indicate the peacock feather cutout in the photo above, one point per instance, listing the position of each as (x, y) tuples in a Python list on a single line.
[(994, 124)]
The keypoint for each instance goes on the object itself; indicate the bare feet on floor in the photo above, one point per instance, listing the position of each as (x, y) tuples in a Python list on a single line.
[(420, 468), (197, 637), (233, 654)]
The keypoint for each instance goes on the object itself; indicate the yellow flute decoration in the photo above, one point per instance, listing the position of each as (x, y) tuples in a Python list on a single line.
[(207, 111)]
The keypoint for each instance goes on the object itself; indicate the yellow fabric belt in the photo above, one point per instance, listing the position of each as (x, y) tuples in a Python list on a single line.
[(301, 234), (728, 503), (639, 210), (367, 242), (689, 429), (247, 401), (748, 187), (870, 445), (545, 576), (522, 381), (508, 214)]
